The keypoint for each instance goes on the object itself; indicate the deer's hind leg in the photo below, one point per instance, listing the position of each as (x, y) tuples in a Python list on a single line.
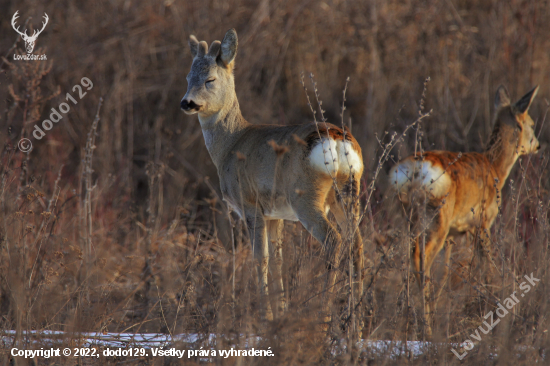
[(435, 237), (447, 270), (314, 219), (346, 211)]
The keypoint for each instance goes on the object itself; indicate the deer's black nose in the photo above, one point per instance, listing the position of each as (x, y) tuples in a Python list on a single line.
[(184, 104), (188, 105)]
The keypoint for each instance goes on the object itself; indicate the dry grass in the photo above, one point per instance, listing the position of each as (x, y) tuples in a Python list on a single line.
[(128, 233)]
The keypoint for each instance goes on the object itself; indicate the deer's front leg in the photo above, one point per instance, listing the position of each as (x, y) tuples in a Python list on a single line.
[(258, 237), (485, 249), (275, 234)]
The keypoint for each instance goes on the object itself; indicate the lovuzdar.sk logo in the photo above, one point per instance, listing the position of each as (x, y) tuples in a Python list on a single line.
[(29, 40)]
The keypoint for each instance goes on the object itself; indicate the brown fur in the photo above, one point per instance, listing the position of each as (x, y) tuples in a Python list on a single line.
[(470, 202), (334, 132)]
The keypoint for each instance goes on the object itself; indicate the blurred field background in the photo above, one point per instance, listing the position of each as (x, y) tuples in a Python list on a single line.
[(137, 240)]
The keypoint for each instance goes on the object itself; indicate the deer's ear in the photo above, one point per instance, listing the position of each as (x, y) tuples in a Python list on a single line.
[(524, 103), (229, 47), (502, 99), (194, 45)]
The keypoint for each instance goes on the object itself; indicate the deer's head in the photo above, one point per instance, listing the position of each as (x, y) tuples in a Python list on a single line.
[(210, 83), (516, 117), (29, 40)]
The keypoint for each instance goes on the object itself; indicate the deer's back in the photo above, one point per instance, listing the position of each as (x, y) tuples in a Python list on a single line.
[(464, 180), (311, 157)]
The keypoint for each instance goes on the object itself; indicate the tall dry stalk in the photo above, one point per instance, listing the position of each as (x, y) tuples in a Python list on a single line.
[(87, 187)]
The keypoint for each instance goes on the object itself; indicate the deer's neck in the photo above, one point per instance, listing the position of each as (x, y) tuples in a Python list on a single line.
[(222, 130), (502, 151)]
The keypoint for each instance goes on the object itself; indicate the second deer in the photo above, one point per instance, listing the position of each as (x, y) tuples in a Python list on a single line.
[(460, 191)]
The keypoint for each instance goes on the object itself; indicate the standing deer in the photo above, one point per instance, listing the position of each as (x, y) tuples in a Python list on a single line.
[(29, 40), (461, 191), (272, 173)]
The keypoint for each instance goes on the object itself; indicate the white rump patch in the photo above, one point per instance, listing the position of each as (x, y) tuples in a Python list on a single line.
[(349, 160), (411, 174), (324, 156), (335, 156)]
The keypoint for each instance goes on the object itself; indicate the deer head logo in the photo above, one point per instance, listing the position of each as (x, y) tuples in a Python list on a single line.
[(29, 40)]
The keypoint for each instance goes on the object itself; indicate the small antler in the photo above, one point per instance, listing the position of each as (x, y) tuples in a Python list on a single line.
[(13, 19)]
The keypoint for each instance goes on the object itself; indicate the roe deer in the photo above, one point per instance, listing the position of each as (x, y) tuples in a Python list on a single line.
[(461, 191), (272, 173)]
